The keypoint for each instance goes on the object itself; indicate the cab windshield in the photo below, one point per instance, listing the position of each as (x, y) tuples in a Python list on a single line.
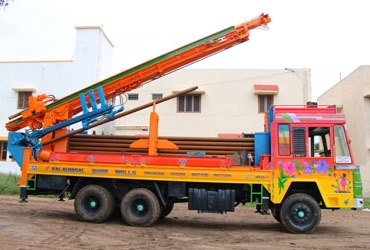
[(342, 153)]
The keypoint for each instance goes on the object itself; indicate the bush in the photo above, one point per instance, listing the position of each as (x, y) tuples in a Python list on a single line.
[(8, 184), (367, 202)]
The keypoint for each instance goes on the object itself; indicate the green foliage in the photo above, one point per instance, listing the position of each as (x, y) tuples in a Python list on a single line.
[(367, 202), (8, 184)]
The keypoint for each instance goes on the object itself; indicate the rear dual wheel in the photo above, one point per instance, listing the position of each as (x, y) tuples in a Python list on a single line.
[(140, 207), (94, 203)]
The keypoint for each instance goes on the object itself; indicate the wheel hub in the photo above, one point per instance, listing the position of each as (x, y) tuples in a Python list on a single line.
[(140, 207), (300, 214), (93, 204)]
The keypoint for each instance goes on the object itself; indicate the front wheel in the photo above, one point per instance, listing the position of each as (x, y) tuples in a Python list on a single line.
[(300, 213), (140, 207)]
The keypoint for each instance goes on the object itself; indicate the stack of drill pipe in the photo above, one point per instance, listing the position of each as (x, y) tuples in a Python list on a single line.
[(121, 144)]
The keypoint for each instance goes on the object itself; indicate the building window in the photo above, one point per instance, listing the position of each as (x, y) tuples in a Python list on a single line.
[(264, 102), (156, 96), (23, 99), (4, 149), (188, 103), (133, 97)]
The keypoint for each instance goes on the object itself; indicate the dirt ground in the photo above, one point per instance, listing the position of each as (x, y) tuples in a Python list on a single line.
[(45, 223)]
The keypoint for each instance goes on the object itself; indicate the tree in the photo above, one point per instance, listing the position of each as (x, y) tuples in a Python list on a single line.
[(4, 3)]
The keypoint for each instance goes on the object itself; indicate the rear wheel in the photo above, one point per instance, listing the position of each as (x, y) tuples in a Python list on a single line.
[(140, 207), (300, 213), (94, 203)]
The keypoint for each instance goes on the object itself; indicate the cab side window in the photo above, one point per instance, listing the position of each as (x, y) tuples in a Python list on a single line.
[(291, 140), (283, 139), (342, 152), (319, 141)]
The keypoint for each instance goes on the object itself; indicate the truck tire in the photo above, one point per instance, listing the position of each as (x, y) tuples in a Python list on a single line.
[(94, 203), (300, 213), (140, 207), (166, 210)]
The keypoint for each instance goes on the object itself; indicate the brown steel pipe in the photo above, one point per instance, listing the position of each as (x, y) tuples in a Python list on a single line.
[(121, 144)]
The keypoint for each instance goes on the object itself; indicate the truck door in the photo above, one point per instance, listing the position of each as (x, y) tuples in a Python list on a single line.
[(304, 154)]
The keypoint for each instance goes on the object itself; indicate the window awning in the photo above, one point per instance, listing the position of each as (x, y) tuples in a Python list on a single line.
[(265, 89), (199, 92), (24, 89)]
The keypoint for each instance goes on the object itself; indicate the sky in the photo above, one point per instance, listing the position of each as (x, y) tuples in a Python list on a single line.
[(331, 38)]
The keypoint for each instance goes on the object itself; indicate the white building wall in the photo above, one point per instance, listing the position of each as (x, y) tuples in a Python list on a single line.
[(92, 62), (229, 103), (93, 55), (352, 96)]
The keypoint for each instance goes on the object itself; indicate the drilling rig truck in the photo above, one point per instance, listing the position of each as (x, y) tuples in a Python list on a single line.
[(301, 160)]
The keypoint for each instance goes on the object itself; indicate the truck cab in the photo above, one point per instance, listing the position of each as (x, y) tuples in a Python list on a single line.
[(311, 158)]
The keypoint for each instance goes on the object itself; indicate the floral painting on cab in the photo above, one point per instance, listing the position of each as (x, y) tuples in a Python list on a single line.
[(296, 169)]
